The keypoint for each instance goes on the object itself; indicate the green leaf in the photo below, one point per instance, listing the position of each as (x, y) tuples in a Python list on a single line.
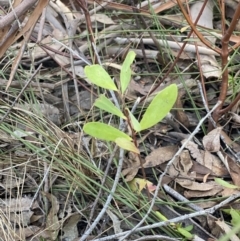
[(125, 73), (105, 104), (135, 124), (127, 145), (225, 184), (235, 217), (104, 132), (185, 233), (159, 107), (98, 76), (161, 216)]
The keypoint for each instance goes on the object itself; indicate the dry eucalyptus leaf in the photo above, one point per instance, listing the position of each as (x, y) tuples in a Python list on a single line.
[(226, 229), (198, 194), (160, 155), (52, 223), (70, 230), (214, 164), (211, 141), (195, 152), (185, 163), (196, 186)]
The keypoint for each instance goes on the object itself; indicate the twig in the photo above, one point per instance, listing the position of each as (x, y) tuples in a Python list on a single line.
[(179, 53), (22, 8), (224, 55), (166, 170), (109, 199), (174, 220), (181, 198), (175, 45)]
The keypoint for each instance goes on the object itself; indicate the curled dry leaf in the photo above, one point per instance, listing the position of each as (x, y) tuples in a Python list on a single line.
[(195, 152), (211, 141)]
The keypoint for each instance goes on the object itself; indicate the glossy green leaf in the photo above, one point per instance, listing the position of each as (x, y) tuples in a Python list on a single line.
[(104, 132), (225, 184), (127, 145), (105, 104), (125, 73), (161, 104), (98, 76), (135, 124)]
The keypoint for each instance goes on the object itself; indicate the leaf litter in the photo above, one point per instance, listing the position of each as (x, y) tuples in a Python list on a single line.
[(51, 172)]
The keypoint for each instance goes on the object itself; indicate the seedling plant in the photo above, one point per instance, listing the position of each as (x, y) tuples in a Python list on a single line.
[(159, 107)]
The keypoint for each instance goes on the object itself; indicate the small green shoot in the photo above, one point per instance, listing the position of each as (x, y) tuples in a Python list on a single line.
[(225, 184), (156, 111), (125, 73)]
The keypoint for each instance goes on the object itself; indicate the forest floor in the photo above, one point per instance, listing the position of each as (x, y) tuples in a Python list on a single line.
[(178, 180)]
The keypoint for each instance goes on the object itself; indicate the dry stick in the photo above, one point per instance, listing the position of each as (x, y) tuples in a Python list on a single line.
[(83, 5), (224, 54), (18, 11), (199, 61), (175, 220), (179, 53), (156, 237), (109, 198), (19, 95), (194, 29), (167, 168), (181, 198), (171, 44)]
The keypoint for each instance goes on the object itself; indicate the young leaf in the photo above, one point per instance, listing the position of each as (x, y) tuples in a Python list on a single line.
[(105, 104), (104, 132), (185, 233), (138, 184), (98, 76), (225, 184), (125, 73), (127, 145), (159, 107), (135, 124)]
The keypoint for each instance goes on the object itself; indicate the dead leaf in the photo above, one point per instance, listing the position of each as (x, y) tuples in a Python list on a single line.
[(159, 156), (185, 162), (70, 229), (234, 170), (211, 141), (226, 229), (214, 164), (195, 152), (52, 223)]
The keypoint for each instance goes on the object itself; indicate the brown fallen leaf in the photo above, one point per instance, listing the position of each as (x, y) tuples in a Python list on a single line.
[(211, 141), (214, 164), (194, 150), (226, 229), (234, 170), (160, 155)]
